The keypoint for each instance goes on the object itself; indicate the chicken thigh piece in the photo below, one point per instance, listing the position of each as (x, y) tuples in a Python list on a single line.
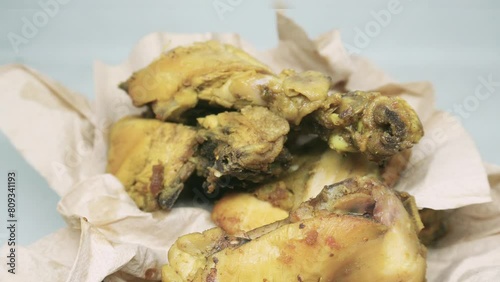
[(152, 160)]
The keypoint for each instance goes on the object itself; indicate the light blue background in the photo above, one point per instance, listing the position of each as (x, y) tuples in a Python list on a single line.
[(450, 43)]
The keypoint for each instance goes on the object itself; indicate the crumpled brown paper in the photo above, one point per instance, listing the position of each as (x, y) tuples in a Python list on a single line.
[(109, 238)]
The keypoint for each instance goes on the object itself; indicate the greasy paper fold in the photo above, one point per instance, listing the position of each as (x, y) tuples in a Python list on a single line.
[(109, 238)]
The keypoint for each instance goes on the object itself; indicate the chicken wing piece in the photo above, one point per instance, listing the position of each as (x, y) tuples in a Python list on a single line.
[(369, 122), (246, 145), (366, 122), (355, 230), (358, 121), (152, 159)]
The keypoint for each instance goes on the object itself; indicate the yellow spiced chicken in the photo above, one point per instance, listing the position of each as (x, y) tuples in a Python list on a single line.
[(270, 145), (152, 159), (186, 80), (239, 125), (354, 230)]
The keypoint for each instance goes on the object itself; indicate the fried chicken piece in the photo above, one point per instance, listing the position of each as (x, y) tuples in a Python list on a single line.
[(369, 122), (355, 230), (366, 122), (175, 82), (152, 159), (193, 79), (246, 145)]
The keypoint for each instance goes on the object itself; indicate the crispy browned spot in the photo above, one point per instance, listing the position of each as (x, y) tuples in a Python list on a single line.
[(330, 241), (212, 277), (311, 237), (229, 223), (285, 258), (156, 179)]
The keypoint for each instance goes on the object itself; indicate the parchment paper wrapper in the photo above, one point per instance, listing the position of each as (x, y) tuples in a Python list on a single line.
[(63, 136)]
